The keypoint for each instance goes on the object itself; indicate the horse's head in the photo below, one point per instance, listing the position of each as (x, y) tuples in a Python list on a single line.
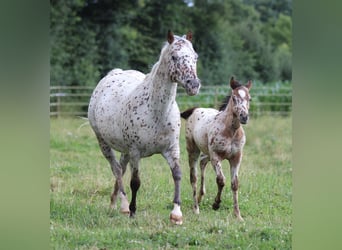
[(241, 99), (182, 60)]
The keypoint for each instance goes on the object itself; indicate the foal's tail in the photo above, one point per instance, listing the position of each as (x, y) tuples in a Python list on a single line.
[(187, 113)]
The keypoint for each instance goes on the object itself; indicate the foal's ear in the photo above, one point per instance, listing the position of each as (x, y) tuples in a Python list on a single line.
[(189, 36), (249, 84), (170, 37), (234, 84)]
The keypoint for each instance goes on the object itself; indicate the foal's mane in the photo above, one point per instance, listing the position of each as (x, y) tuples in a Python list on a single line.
[(224, 103)]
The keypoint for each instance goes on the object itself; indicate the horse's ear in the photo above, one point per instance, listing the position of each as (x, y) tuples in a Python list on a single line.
[(249, 84), (234, 84), (170, 37), (189, 36)]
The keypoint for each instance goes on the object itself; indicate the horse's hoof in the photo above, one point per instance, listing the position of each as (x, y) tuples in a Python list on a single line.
[(176, 219), (196, 210), (176, 216), (125, 212)]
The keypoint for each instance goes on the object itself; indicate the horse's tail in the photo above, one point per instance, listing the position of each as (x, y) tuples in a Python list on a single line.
[(185, 114)]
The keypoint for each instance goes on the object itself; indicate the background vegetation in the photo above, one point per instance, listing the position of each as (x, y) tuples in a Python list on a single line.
[(81, 183), (249, 39)]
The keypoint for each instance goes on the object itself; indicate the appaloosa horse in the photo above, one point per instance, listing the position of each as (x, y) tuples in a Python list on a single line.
[(137, 115), (219, 136)]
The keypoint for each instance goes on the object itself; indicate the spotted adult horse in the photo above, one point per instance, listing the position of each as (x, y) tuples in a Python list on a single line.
[(219, 136), (137, 115)]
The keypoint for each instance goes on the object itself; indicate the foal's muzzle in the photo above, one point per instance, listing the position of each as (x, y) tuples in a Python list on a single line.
[(192, 86), (244, 118)]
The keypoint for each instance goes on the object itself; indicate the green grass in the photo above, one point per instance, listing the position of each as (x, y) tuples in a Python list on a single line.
[(81, 184)]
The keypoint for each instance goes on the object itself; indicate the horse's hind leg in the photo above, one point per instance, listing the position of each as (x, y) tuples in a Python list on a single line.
[(234, 171), (123, 163), (203, 164), (118, 172)]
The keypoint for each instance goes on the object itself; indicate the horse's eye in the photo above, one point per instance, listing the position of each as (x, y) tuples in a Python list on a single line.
[(174, 58)]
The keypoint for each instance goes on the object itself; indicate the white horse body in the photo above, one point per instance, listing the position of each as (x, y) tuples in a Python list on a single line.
[(116, 105), (137, 115)]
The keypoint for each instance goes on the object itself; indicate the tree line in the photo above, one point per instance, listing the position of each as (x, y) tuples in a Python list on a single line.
[(245, 38)]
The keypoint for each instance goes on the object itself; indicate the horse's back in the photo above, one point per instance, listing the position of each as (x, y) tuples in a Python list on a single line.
[(198, 125), (111, 91)]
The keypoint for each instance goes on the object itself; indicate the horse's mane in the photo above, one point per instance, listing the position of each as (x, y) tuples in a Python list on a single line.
[(164, 50), (224, 103)]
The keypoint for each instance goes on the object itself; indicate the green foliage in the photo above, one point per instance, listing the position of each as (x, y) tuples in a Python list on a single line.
[(81, 183), (73, 46), (250, 39)]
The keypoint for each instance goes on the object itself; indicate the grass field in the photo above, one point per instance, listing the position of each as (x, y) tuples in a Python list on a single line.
[(81, 184)]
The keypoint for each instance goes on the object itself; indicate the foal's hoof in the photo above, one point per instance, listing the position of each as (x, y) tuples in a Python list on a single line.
[(176, 219), (216, 206), (239, 218)]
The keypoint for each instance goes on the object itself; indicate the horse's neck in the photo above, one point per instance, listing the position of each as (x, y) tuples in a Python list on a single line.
[(162, 90), (232, 121)]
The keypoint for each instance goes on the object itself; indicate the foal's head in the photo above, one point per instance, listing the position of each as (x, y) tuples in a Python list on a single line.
[(240, 98), (182, 60)]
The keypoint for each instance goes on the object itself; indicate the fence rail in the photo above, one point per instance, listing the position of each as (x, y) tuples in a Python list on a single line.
[(275, 100)]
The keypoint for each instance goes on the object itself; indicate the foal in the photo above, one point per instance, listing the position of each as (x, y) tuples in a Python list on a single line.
[(219, 136)]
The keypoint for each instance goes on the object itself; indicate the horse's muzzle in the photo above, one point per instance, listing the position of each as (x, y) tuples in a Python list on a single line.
[(193, 86)]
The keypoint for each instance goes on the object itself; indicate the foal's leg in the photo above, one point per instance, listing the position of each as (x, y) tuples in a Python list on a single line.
[(123, 163), (220, 180), (234, 172), (193, 157), (203, 164), (172, 157), (118, 172)]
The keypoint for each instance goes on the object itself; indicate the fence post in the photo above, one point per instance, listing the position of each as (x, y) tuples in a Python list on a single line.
[(58, 102), (215, 99)]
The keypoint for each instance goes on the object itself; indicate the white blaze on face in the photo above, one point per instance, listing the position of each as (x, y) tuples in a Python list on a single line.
[(242, 93)]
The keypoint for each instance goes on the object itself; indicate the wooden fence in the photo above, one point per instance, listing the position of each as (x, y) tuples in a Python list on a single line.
[(275, 100)]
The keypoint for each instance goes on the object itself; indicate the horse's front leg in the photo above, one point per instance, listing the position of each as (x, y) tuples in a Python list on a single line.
[(172, 158), (234, 172), (123, 163), (118, 172), (220, 181)]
